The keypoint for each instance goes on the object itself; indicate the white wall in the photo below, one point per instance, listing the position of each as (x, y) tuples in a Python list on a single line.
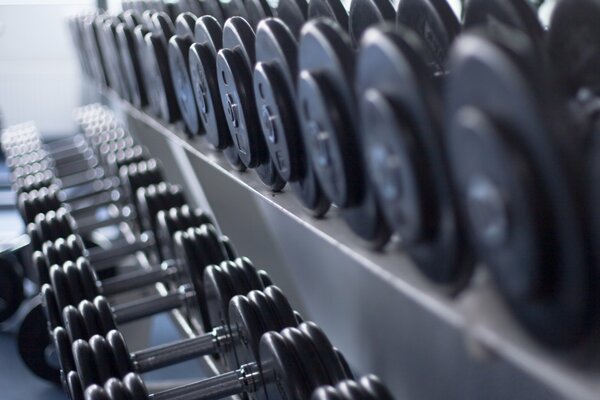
[(39, 72)]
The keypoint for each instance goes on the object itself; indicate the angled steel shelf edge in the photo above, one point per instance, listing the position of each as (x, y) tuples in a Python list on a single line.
[(384, 315)]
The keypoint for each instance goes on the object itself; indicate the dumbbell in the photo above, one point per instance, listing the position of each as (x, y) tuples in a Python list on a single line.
[(514, 165), (70, 271), (70, 285), (54, 232), (144, 174), (71, 248), (252, 315), (291, 364), (368, 387), (366, 13), (401, 136), (325, 81)]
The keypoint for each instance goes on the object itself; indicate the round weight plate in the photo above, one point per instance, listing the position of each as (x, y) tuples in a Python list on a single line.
[(344, 363), (325, 351), (528, 121), (185, 25), (11, 287), (247, 328), (74, 281), (50, 308), (264, 310), (350, 389), (250, 272), (162, 26), (233, 8), (282, 372), (115, 389), (84, 363), (265, 278), (179, 63), (364, 13), (131, 65), (103, 358), (142, 54), (274, 90), (203, 76), (281, 307), (235, 84), (120, 353), (327, 393), (135, 387), (267, 173), (93, 325), (62, 345), (435, 22), (74, 323), (375, 387), (291, 12), (88, 278), (570, 37), (218, 291), (33, 342), (60, 285), (104, 314), (332, 9), (73, 387), (229, 248), (404, 154), (159, 78), (516, 14), (312, 368), (256, 12)]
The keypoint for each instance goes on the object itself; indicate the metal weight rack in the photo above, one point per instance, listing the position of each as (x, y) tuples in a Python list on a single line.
[(384, 316)]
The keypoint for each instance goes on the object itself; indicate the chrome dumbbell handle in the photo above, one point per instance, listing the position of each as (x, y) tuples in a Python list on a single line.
[(105, 258), (152, 305), (245, 379), (137, 279), (183, 350)]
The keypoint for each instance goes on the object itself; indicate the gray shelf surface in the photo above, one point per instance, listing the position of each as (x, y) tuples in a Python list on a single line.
[(375, 306)]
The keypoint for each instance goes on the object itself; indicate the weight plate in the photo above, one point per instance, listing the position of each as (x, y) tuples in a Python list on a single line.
[(234, 63), (103, 358), (218, 290), (344, 363), (333, 9), (403, 146), (178, 51), (527, 128), (131, 65), (50, 308), (312, 368), (286, 380), (120, 353), (85, 363), (375, 387), (281, 307), (233, 8), (115, 389), (325, 350), (213, 8), (33, 341), (142, 54), (58, 280), (185, 24), (89, 314), (135, 386), (291, 12), (250, 272), (88, 278), (569, 44), (203, 75), (516, 14), (159, 78), (327, 110), (62, 345), (274, 89), (162, 26), (436, 24), (256, 10), (104, 314), (364, 13), (247, 328), (73, 386), (265, 278), (267, 173)]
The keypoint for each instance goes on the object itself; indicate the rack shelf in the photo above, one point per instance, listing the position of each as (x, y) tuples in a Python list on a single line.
[(376, 307)]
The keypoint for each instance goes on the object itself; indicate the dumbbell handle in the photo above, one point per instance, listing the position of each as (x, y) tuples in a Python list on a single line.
[(79, 178), (183, 350), (96, 187), (137, 279), (148, 306), (105, 258), (245, 379)]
